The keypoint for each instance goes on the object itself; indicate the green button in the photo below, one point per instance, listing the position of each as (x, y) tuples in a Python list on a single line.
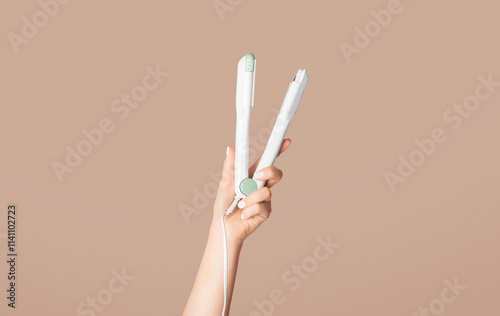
[(247, 186)]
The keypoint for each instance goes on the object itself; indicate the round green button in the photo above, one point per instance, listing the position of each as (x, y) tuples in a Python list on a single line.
[(247, 186)]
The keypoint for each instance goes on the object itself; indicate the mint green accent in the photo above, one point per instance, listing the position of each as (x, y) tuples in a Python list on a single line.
[(247, 186), (250, 61)]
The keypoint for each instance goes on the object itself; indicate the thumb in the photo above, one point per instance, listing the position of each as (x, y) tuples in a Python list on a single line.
[(225, 193)]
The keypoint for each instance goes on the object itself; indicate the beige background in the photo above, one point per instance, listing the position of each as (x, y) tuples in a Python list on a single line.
[(121, 207)]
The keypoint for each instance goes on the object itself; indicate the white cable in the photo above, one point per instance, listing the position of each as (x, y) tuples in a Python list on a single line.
[(224, 243)]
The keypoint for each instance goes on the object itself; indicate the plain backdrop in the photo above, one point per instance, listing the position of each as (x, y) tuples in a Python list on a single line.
[(121, 206)]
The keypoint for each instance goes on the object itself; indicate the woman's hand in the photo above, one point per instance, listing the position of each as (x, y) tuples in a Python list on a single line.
[(206, 297), (252, 210)]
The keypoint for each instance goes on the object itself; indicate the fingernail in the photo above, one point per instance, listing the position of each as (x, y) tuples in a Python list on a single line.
[(258, 175), (242, 217), (227, 150), (241, 204)]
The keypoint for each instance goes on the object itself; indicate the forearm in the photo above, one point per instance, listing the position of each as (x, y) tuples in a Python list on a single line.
[(207, 296)]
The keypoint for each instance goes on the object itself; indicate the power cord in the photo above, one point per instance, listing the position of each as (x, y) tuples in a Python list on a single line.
[(224, 242)]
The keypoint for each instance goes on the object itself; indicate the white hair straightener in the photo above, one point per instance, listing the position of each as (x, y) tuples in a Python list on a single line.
[(243, 185)]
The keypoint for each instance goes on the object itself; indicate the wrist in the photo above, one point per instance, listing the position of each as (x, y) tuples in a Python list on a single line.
[(216, 233)]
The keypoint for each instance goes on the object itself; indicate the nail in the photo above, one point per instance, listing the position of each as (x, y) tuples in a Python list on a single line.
[(258, 175), (227, 150), (242, 217), (241, 204)]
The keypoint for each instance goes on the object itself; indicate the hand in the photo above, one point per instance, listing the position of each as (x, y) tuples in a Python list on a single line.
[(256, 206)]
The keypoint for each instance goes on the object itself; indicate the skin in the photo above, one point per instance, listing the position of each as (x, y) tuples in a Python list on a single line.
[(207, 296)]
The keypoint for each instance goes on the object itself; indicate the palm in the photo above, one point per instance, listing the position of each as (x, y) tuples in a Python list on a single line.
[(239, 229)]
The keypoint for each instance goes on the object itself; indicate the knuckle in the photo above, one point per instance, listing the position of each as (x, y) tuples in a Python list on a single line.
[(266, 211), (267, 193), (279, 173)]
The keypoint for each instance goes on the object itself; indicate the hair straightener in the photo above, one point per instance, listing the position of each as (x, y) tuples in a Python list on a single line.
[(243, 185)]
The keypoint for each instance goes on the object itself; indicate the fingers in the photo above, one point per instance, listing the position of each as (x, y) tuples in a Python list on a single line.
[(227, 170), (225, 192), (250, 204), (261, 209), (257, 202), (284, 146), (261, 195), (272, 174)]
